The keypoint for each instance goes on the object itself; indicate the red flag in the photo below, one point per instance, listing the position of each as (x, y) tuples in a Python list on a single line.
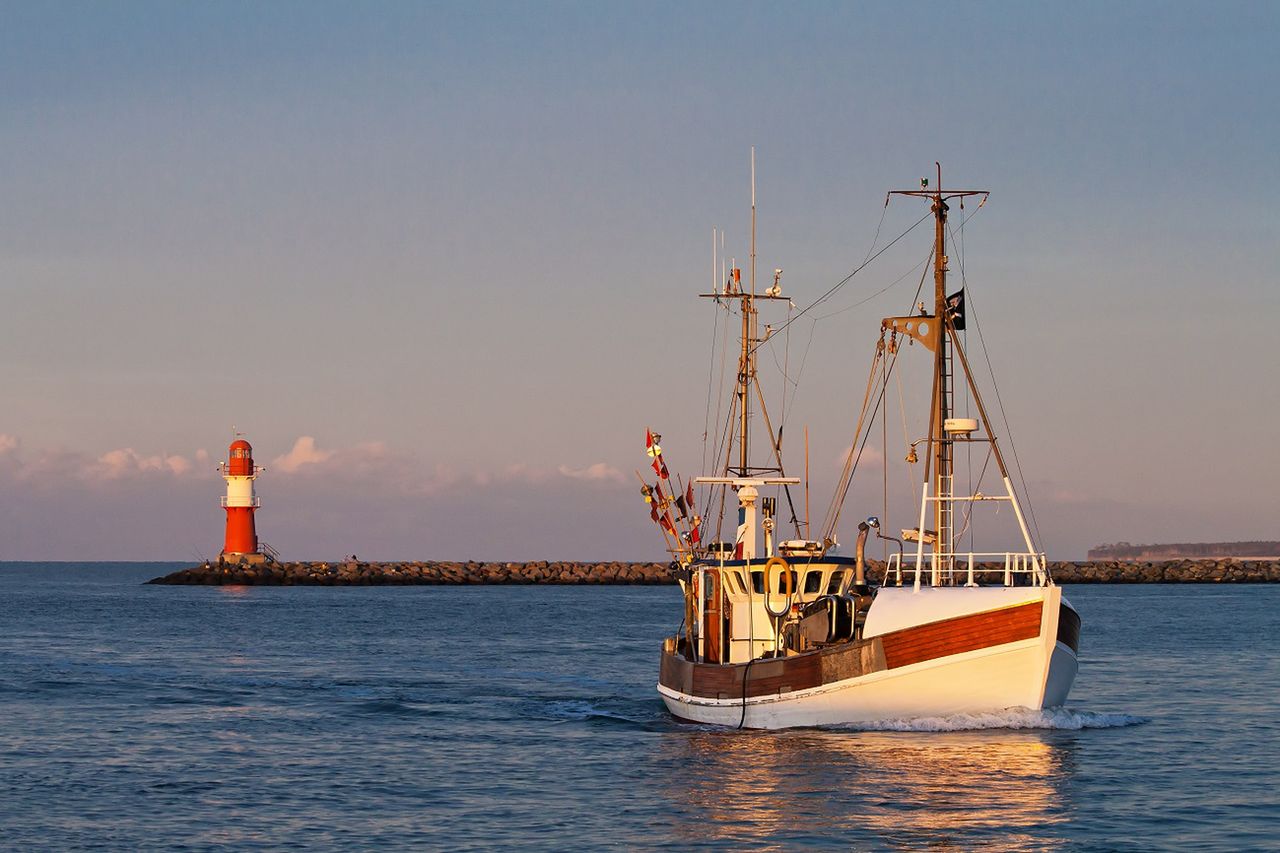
[(653, 511), (665, 521), (651, 446), (693, 535), (662, 470), (688, 497)]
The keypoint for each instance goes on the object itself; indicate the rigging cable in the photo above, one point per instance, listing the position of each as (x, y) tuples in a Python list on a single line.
[(968, 399), (711, 366), (842, 282), (839, 499), (1008, 430)]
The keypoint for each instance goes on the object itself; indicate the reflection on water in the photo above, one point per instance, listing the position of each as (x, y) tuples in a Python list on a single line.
[(877, 789)]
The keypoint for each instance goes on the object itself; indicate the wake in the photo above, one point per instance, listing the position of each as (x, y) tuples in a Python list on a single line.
[(1064, 719)]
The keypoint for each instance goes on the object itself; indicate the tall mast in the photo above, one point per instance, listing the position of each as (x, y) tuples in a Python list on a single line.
[(942, 456), (750, 340), (940, 339), (746, 362)]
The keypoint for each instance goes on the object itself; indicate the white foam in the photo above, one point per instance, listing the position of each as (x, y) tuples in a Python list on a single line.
[(1009, 718)]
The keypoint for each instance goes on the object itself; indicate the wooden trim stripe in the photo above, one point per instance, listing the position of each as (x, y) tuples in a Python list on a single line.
[(850, 660), (962, 634)]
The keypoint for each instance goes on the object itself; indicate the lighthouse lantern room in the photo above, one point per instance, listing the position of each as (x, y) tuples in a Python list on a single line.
[(241, 503)]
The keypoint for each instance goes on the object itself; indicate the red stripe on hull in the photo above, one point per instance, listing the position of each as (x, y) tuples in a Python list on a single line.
[(962, 634)]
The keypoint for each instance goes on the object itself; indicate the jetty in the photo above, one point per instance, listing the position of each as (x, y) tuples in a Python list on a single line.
[(399, 573)]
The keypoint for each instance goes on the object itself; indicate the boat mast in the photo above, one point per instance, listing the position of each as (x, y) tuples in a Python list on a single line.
[(940, 338), (744, 474), (747, 361), (942, 456)]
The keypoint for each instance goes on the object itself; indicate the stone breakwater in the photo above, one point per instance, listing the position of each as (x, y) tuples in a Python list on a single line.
[(352, 573), (416, 573)]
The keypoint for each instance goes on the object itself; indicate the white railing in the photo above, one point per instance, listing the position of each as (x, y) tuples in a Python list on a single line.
[(945, 569), (254, 501)]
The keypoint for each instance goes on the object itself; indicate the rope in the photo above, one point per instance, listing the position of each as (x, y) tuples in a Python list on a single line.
[(842, 282), (849, 481), (1008, 430), (711, 366)]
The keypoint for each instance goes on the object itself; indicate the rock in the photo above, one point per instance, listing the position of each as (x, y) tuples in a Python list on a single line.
[(614, 572)]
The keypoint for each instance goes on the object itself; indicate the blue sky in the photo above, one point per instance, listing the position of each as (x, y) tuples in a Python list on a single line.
[(440, 260)]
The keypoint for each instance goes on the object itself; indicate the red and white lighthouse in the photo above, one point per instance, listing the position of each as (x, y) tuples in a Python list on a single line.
[(240, 503)]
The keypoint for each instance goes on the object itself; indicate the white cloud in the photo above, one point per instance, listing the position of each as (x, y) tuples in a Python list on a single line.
[(126, 462), (8, 443), (599, 472), (304, 452), (870, 456)]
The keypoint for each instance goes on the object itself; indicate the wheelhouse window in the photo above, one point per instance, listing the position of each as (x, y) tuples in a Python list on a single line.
[(757, 582), (837, 578), (813, 581)]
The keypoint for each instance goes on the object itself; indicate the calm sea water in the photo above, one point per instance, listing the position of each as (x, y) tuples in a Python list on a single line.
[(136, 717)]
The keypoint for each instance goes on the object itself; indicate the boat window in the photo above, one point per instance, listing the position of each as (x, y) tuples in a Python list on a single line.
[(836, 579), (783, 587), (733, 582), (757, 581), (813, 581)]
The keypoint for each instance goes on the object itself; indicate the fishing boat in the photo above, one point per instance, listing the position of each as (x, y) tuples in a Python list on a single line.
[(781, 632)]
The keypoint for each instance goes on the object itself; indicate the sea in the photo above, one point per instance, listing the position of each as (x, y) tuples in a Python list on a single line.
[(137, 717)]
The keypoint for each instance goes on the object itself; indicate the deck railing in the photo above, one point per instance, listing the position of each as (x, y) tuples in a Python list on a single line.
[(946, 569)]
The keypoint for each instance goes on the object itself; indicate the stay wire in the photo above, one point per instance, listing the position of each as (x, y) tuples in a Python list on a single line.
[(711, 367), (1004, 417), (842, 282)]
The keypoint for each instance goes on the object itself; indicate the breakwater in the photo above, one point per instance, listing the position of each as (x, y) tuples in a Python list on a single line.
[(353, 573)]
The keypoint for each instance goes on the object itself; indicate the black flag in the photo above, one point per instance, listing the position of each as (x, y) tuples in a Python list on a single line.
[(955, 309)]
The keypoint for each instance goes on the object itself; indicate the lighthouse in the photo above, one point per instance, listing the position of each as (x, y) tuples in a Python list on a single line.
[(241, 503)]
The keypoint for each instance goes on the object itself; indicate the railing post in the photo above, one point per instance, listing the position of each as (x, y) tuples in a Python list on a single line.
[(970, 583), (1008, 569)]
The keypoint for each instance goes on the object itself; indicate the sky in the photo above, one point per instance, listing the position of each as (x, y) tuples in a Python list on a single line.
[(440, 262)]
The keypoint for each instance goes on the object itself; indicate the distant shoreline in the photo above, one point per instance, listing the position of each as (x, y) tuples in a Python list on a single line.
[(354, 573)]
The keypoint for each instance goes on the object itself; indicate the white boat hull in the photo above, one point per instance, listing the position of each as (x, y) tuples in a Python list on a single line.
[(1033, 673)]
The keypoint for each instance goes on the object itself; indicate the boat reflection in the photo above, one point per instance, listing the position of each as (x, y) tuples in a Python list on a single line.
[(871, 789)]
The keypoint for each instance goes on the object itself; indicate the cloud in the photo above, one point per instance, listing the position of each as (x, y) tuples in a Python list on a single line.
[(127, 462), (304, 452), (318, 500), (599, 472), (870, 455)]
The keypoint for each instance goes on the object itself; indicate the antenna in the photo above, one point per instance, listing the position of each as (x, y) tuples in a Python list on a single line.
[(715, 261), (753, 220)]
